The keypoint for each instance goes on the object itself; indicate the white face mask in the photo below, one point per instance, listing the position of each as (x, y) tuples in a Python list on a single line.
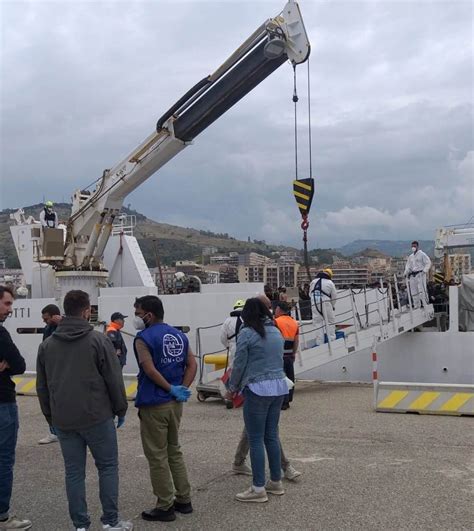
[(138, 323), (414, 249)]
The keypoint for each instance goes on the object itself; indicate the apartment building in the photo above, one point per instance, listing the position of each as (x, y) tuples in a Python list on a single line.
[(343, 277), (227, 259), (252, 259)]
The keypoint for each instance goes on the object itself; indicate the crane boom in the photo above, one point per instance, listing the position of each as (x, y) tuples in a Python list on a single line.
[(453, 238), (277, 40)]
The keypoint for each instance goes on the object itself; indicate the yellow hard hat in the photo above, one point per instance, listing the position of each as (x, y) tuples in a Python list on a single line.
[(328, 271), (240, 303), (48, 204)]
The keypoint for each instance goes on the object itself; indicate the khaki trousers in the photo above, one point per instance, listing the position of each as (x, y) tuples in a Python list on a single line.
[(243, 450), (159, 426)]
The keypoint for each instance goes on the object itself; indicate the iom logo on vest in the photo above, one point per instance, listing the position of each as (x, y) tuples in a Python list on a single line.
[(173, 348)]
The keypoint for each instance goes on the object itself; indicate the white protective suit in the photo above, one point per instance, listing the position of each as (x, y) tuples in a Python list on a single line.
[(417, 267), (323, 292), (49, 223), (228, 334)]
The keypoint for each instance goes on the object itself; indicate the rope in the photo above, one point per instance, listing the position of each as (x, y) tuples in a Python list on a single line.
[(309, 125), (295, 101)]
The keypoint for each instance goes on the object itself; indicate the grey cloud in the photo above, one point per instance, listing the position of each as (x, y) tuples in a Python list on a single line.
[(83, 84)]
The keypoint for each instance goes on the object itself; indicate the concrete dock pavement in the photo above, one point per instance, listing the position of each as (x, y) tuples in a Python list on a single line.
[(361, 469)]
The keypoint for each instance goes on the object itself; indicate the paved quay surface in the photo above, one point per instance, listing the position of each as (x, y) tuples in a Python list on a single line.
[(361, 470)]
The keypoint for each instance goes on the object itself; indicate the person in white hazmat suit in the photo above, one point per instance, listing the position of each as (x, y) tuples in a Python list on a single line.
[(417, 267), (230, 328), (48, 217), (323, 295)]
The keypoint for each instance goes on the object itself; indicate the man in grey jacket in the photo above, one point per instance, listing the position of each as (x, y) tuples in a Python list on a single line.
[(80, 389)]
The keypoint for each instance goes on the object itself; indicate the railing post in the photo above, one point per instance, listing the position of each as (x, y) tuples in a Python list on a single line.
[(377, 293), (375, 375), (198, 353), (410, 300), (356, 324), (366, 308), (398, 294), (392, 308)]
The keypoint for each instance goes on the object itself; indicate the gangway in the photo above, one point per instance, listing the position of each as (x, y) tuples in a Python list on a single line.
[(359, 336), (364, 315)]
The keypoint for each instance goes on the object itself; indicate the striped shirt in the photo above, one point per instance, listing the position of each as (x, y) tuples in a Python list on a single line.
[(277, 387)]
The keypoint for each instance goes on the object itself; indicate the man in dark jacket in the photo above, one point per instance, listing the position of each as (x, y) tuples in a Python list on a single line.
[(11, 363), (80, 389), (51, 316), (117, 321)]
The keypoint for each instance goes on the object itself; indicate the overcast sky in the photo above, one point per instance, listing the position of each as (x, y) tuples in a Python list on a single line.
[(83, 83)]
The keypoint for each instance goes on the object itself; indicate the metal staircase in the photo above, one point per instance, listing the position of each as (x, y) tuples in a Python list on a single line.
[(357, 336)]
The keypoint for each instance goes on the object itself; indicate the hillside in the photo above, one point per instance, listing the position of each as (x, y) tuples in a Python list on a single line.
[(180, 243), (387, 247), (172, 242)]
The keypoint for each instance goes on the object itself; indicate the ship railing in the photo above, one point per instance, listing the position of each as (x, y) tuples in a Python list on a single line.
[(208, 346), (124, 224), (380, 309)]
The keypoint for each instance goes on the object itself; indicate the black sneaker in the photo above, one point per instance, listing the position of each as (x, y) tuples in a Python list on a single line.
[(159, 515), (183, 508)]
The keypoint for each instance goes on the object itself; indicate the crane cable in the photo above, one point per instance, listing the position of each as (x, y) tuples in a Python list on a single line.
[(303, 189)]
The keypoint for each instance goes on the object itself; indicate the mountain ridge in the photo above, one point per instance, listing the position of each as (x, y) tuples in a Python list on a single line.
[(172, 242)]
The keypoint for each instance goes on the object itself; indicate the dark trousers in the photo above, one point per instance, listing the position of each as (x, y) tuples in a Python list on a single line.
[(289, 368), (8, 436)]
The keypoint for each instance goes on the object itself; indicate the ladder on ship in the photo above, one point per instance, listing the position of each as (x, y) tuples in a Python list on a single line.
[(365, 316), (383, 321)]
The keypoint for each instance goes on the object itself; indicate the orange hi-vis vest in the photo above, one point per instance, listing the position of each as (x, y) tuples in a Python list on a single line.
[(112, 327), (289, 329)]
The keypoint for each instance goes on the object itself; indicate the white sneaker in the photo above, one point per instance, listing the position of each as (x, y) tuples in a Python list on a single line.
[(291, 473), (15, 523), (121, 526), (243, 469), (48, 439), (275, 487), (251, 496)]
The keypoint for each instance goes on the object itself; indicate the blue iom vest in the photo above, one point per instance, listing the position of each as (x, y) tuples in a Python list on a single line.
[(169, 349)]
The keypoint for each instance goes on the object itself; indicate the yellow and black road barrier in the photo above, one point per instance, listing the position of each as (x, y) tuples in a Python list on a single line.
[(26, 384), (434, 399)]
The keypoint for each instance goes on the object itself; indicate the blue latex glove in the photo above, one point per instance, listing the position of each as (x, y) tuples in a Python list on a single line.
[(180, 392), (120, 421)]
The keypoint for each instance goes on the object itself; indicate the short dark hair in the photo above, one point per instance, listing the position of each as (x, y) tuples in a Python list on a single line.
[(6, 289), (284, 306), (414, 242), (151, 304), (75, 302), (51, 309)]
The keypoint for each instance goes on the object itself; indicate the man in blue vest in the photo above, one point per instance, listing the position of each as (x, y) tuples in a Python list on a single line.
[(167, 369)]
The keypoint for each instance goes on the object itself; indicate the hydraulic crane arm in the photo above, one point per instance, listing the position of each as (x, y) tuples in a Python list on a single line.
[(453, 238), (279, 39)]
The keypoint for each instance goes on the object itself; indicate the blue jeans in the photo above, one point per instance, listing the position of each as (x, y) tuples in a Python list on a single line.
[(261, 417), (101, 439), (8, 436)]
